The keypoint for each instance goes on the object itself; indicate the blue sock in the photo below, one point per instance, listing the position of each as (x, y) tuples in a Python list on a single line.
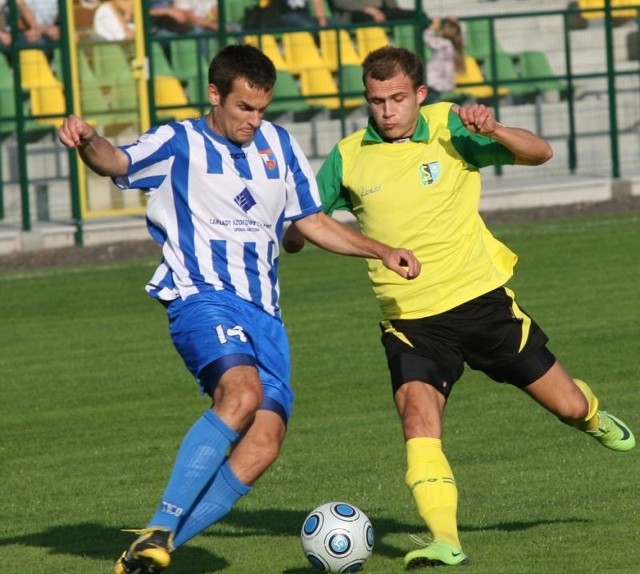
[(201, 453), (224, 491)]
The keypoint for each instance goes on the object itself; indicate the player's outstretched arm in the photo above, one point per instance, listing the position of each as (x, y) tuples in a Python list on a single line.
[(528, 148), (97, 152), (337, 237)]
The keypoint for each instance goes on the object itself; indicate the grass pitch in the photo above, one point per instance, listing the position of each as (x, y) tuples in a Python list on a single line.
[(94, 402)]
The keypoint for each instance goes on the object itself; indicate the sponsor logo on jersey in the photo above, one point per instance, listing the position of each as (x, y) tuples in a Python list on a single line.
[(245, 200), (369, 190)]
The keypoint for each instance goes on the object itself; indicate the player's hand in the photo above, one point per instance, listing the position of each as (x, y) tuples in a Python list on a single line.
[(75, 132), (477, 118), (403, 262)]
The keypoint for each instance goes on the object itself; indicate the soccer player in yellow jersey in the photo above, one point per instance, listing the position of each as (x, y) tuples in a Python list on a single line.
[(412, 178)]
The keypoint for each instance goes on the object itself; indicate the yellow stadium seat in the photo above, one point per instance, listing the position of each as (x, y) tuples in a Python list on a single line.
[(330, 46), (48, 100), (300, 52), (473, 75), (319, 87), (35, 69), (169, 92), (268, 44), (370, 39), (619, 9)]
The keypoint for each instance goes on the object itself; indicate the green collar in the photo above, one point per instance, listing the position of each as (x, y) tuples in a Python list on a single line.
[(421, 134)]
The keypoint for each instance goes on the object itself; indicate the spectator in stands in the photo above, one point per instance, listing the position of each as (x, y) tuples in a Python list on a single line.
[(288, 14), (167, 19), (372, 11), (446, 40), (203, 14), (5, 27), (44, 26), (113, 20)]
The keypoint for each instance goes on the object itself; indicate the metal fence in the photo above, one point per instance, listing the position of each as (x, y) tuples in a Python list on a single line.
[(571, 75)]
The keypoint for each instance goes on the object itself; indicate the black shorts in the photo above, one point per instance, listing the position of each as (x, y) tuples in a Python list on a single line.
[(491, 334)]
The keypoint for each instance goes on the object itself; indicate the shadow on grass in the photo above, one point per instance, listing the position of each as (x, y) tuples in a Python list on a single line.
[(98, 542), (277, 522), (521, 525)]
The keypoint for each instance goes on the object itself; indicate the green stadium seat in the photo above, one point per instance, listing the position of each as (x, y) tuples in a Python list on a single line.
[(190, 67), (404, 36), (534, 64), (478, 39), (508, 75), (287, 99), (350, 81)]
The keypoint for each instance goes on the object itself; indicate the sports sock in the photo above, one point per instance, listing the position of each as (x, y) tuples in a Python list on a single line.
[(199, 457), (592, 420), (225, 490), (433, 487)]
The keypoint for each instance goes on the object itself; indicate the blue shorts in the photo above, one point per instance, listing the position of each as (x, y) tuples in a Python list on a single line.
[(216, 330)]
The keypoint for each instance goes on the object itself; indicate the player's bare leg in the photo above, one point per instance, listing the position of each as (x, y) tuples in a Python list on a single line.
[(574, 403)]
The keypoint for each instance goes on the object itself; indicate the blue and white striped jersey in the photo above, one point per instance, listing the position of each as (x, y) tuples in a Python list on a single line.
[(218, 209)]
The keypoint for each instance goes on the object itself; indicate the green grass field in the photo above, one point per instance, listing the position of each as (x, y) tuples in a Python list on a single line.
[(94, 402)]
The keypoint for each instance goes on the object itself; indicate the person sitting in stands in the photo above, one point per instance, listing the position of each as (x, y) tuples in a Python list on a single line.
[(372, 11), (445, 38), (43, 26), (288, 14), (112, 20)]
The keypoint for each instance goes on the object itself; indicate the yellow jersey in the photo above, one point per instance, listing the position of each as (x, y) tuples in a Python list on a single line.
[(423, 194)]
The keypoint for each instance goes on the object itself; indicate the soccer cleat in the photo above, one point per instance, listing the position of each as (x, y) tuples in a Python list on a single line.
[(438, 553), (613, 433), (149, 553)]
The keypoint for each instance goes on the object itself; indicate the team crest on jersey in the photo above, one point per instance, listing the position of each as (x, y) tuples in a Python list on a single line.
[(429, 172), (269, 158), (245, 200)]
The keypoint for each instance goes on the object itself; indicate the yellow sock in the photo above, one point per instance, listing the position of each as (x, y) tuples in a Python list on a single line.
[(591, 421), (433, 487)]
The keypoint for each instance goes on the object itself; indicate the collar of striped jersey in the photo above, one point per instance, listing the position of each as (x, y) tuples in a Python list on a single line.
[(421, 134)]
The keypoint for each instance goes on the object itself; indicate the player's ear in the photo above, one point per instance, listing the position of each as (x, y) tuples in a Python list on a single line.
[(421, 93), (214, 95)]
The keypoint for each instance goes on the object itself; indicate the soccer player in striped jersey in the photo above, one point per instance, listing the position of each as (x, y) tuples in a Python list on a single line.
[(413, 177), (220, 189)]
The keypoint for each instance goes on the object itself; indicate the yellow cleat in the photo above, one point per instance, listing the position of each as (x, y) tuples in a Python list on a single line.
[(150, 553)]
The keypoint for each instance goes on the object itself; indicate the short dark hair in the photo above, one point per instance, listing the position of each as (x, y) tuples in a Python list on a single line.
[(389, 61), (241, 61)]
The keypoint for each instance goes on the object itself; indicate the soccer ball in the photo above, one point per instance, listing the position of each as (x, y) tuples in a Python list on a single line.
[(337, 537)]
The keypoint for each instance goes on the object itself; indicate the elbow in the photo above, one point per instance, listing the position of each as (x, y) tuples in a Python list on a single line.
[(546, 154), (537, 157)]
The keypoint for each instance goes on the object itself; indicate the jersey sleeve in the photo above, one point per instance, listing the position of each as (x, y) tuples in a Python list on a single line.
[(149, 159), (302, 190), (475, 149), (333, 194)]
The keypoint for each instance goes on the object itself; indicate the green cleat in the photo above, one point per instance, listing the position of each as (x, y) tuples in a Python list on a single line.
[(149, 553), (613, 433), (438, 553)]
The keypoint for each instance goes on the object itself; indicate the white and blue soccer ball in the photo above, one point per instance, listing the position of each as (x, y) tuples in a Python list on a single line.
[(337, 537)]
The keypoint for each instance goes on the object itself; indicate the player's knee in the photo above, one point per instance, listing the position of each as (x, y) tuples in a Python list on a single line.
[(237, 401)]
